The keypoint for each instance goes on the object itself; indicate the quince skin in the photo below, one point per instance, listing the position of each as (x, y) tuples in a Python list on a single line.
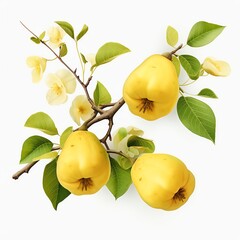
[(162, 180), (151, 90), (83, 166)]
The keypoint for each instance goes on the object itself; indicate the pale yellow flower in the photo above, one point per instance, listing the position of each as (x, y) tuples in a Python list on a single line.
[(80, 109), (60, 84), (216, 67), (120, 144), (91, 58), (55, 35), (38, 65)]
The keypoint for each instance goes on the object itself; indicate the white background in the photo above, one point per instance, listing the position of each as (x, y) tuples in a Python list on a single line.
[(213, 210)]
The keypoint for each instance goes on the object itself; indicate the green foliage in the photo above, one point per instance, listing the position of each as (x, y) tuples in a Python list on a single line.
[(171, 36), (63, 50), (206, 92), (101, 94), (42, 35), (197, 116), (119, 181), (52, 188), (191, 65), (48, 155), (203, 33), (35, 40), (83, 58), (177, 64), (109, 51), (82, 32), (34, 147), (67, 27), (42, 122), (65, 135), (145, 145)]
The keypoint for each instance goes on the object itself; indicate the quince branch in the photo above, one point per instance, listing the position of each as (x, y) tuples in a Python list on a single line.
[(98, 115)]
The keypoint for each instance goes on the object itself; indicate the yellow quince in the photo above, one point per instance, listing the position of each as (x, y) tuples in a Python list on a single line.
[(151, 90), (162, 180), (83, 166)]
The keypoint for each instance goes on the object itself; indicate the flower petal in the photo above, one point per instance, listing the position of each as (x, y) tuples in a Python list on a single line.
[(55, 35), (216, 67), (36, 75), (54, 98), (57, 92), (38, 64), (80, 108), (68, 80), (91, 58)]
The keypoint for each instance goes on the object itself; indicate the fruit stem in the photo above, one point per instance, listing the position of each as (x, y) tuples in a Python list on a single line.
[(175, 50)]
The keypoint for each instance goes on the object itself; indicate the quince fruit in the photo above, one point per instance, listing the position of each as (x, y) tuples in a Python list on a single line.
[(83, 166), (162, 180), (151, 90)]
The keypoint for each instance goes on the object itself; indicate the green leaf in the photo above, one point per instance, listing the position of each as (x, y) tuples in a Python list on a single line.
[(42, 35), (171, 36), (63, 50), (202, 33), (191, 65), (176, 63), (52, 188), (109, 51), (197, 116), (206, 92), (42, 122), (124, 163), (67, 27), (33, 147), (83, 58), (35, 40), (137, 141), (82, 32), (101, 95), (49, 155), (65, 135), (119, 181)]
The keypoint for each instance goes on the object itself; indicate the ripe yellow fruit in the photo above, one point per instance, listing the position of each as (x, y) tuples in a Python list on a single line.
[(162, 180), (151, 90), (83, 166)]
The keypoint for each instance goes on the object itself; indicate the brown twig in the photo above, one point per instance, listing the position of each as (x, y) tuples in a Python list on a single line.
[(25, 169), (175, 50)]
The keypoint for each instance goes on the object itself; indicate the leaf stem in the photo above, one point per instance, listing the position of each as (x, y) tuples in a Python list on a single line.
[(81, 62)]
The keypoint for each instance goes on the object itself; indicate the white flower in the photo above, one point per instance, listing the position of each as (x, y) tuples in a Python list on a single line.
[(60, 83), (80, 108), (38, 65), (55, 35), (216, 67)]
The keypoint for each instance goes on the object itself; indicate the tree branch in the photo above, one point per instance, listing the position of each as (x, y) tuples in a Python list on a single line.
[(99, 113), (24, 170)]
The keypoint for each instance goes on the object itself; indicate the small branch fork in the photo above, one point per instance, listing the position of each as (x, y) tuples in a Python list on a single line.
[(99, 111)]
